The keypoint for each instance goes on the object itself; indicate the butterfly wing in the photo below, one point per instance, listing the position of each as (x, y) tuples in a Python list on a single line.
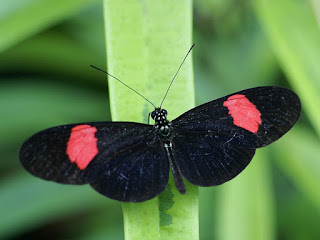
[(135, 174), (121, 160), (250, 118), (214, 142), (205, 161)]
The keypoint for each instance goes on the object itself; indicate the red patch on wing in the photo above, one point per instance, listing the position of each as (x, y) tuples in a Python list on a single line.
[(82, 145), (244, 113)]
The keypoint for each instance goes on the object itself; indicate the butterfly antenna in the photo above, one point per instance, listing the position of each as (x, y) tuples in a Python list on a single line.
[(176, 73), (123, 84)]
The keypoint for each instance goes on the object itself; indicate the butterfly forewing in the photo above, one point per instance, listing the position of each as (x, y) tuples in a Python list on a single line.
[(45, 155), (250, 118)]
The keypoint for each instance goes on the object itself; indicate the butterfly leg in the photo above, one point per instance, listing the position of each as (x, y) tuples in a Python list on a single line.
[(177, 176)]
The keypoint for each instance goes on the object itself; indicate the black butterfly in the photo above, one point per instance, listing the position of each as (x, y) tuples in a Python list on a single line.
[(130, 162)]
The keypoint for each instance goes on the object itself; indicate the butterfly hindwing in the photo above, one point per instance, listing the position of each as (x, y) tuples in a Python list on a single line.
[(136, 173), (205, 161), (250, 118), (122, 160)]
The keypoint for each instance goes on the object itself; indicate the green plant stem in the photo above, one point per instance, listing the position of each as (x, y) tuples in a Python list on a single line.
[(146, 42)]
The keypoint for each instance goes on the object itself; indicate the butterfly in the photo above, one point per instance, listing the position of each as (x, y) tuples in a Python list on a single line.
[(130, 162)]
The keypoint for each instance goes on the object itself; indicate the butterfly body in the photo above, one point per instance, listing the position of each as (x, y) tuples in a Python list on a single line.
[(207, 145)]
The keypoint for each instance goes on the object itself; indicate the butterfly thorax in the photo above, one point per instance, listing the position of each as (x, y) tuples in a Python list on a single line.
[(161, 123)]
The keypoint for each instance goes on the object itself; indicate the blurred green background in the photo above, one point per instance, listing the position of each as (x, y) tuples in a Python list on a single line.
[(46, 48)]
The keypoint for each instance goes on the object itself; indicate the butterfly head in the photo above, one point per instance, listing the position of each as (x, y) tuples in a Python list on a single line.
[(160, 117)]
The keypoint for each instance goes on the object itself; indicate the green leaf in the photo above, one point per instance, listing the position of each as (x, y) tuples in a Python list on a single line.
[(295, 37), (246, 206), (20, 19), (302, 165), (27, 202), (54, 54), (146, 42), (316, 8), (44, 104)]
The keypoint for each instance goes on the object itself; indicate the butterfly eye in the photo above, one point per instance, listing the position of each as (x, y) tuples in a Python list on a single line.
[(153, 114), (164, 112)]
